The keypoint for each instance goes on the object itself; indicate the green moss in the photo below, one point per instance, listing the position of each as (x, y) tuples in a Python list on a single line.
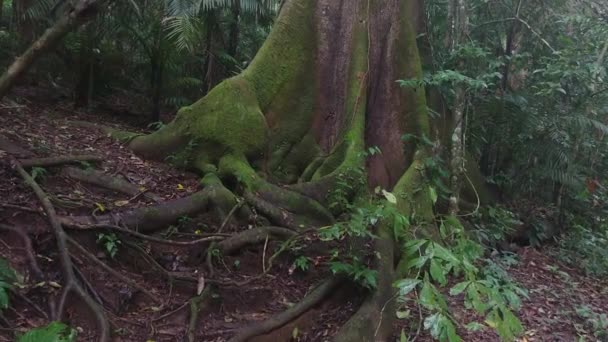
[(287, 53), (237, 166), (415, 119), (413, 194), (284, 79), (124, 137)]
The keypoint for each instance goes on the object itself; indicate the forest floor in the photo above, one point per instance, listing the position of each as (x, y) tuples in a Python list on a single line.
[(45, 127)]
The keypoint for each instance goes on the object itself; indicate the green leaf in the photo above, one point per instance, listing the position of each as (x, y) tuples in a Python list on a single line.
[(54, 332), (459, 288), (432, 324), (403, 314), (417, 263), (389, 197), (474, 326), (427, 297), (406, 286), (402, 337), (437, 272), (433, 194), (4, 301), (443, 253)]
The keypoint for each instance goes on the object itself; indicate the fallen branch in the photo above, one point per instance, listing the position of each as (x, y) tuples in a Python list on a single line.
[(18, 207), (112, 271), (310, 301), (104, 180), (54, 161), (66, 262)]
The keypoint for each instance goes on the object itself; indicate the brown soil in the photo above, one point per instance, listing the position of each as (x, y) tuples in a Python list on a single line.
[(46, 128)]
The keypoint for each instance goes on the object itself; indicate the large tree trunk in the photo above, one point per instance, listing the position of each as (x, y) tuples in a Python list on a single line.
[(73, 18), (319, 92)]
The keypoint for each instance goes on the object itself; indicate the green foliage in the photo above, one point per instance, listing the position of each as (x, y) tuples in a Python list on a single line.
[(494, 224), (38, 172), (8, 277), (110, 243), (54, 332), (585, 248), (302, 263), (356, 270), (597, 322), (487, 290)]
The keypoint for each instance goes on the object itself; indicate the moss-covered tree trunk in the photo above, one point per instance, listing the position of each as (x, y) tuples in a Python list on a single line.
[(320, 91)]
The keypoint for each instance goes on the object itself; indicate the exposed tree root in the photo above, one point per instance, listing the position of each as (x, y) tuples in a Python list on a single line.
[(196, 305), (18, 207), (314, 298), (273, 213), (373, 320), (106, 181), (253, 236), (68, 223), (71, 284), (29, 251), (160, 216), (54, 161), (112, 271)]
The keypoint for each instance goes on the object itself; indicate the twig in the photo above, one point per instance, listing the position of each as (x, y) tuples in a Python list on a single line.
[(264, 254), (112, 271), (66, 262), (230, 213), (18, 207), (172, 312)]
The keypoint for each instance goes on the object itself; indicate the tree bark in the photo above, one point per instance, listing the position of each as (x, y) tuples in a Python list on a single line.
[(23, 25), (318, 94), (233, 41), (459, 25), (73, 18)]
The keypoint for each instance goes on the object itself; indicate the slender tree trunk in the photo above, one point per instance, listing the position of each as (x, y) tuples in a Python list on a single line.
[(53, 35), (156, 87), (84, 86), (1, 10), (460, 23), (233, 42), (157, 61), (214, 71), (23, 26)]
